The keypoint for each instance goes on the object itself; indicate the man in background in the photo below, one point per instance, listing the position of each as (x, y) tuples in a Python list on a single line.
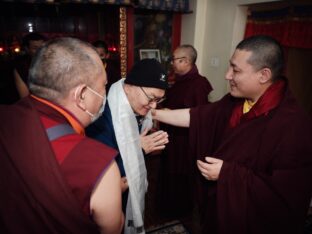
[(30, 43), (189, 90), (112, 67), (253, 147), (53, 179)]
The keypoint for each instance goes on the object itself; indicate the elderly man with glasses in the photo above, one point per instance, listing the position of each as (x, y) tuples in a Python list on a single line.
[(124, 126), (189, 90)]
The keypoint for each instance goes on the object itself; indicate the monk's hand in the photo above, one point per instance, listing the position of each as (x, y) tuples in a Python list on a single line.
[(211, 168), (154, 141), (124, 184)]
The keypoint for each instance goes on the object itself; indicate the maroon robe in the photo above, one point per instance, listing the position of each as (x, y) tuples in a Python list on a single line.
[(265, 182), (190, 90), (35, 196)]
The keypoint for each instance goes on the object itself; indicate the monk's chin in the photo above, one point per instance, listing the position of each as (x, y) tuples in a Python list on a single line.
[(235, 94)]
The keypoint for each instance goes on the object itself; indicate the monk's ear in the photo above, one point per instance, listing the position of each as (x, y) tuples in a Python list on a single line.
[(79, 96), (265, 75)]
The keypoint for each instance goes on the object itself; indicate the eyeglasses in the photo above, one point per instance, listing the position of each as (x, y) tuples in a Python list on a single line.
[(173, 58), (152, 99)]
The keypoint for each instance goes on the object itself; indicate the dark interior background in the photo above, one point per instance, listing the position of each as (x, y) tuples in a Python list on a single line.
[(88, 22)]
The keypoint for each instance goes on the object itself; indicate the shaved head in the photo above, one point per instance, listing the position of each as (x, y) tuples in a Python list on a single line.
[(61, 65)]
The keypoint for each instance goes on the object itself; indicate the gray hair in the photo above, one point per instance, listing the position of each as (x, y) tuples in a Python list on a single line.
[(266, 53), (190, 51), (61, 65)]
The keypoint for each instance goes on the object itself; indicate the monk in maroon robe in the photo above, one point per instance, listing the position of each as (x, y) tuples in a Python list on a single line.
[(53, 179), (189, 90), (253, 147)]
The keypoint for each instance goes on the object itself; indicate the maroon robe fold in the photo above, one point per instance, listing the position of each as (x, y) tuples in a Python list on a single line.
[(175, 197), (34, 195), (265, 182)]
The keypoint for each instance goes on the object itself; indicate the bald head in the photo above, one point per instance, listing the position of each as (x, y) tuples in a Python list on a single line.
[(189, 52), (61, 65), (266, 52), (183, 59)]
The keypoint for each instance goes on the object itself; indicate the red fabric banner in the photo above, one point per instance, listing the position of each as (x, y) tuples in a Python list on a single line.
[(291, 26)]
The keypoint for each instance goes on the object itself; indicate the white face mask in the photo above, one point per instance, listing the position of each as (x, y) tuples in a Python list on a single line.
[(94, 117)]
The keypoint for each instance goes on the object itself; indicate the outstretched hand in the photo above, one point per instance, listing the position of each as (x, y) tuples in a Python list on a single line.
[(154, 141), (211, 168)]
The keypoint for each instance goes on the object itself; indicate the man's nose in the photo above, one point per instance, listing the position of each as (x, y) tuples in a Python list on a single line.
[(153, 104), (228, 74)]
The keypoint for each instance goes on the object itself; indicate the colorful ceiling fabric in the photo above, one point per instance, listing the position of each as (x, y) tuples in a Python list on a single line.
[(291, 26), (163, 5), (123, 2), (167, 5)]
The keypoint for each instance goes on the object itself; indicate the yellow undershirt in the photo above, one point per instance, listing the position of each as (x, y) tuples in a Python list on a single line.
[(247, 106)]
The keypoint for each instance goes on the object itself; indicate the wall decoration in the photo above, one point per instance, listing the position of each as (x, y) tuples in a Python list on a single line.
[(150, 53), (153, 32), (123, 40)]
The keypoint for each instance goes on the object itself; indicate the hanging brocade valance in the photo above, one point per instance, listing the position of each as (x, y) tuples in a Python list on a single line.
[(163, 5), (291, 26)]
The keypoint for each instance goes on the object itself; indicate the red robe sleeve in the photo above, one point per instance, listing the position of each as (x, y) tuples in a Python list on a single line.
[(34, 196)]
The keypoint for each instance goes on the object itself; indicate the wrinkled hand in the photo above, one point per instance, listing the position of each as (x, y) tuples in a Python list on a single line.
[(154, 141), (211, 168), (124, 184)]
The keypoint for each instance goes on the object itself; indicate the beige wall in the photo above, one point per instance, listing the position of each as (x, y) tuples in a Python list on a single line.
[(214, 28)]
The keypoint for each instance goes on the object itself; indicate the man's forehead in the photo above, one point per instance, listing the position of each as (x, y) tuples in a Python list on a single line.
[(155, 91), (179, 52), (240, 56), (242, 53)]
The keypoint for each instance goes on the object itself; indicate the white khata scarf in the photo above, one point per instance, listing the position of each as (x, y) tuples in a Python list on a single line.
[(128, 140)]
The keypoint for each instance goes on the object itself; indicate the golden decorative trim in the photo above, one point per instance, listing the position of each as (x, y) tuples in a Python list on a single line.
[(123, 40)]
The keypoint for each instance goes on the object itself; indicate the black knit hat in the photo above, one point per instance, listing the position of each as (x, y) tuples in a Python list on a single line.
[(148, 73)]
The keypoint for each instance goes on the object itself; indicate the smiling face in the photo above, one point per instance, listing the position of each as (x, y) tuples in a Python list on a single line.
[(139, 101), (244, 80)]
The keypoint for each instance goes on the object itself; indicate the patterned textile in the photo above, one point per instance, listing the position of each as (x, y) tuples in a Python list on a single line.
[(168, 228), (165, 5)]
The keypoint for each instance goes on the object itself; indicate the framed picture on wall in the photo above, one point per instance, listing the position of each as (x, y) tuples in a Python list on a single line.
[(150, 53)]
